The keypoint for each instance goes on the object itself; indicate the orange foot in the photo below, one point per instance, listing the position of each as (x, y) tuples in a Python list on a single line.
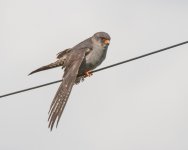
[(88, 74)]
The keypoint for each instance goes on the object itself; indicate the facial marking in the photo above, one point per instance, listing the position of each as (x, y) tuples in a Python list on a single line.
[(105, 41)]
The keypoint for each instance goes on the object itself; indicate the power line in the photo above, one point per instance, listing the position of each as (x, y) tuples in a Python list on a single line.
[(97, 70), (141, 56)]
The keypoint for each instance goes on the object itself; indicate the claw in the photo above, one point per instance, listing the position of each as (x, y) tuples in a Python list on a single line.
[(88, 74)]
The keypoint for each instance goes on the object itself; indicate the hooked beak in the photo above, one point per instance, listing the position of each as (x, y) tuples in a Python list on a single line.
[(107, 42)]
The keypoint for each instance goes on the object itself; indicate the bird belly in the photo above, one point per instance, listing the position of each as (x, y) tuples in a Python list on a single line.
[(92, 60), (95, 58)]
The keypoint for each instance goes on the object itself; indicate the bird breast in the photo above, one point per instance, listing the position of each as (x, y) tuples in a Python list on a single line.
[(95, 57)]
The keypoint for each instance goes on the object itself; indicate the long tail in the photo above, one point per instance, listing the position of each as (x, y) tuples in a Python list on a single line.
[(58, 63)]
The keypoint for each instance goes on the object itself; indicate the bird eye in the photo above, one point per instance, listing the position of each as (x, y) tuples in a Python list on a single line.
[(103, 40)]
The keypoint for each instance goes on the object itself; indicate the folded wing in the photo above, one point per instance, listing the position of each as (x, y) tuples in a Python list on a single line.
[(71, 71)]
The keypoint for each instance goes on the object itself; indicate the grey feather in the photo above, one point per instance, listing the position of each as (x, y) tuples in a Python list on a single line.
[(62, 95), (58, 63), (77, 60)]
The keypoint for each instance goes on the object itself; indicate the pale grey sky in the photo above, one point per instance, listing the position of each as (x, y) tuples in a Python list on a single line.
[(138, 106)]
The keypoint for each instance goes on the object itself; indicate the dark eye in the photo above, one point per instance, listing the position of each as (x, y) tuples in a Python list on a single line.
[(103, 40)]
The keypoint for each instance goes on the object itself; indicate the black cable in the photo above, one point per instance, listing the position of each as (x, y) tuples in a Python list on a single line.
[(110, 66), (141, 56)]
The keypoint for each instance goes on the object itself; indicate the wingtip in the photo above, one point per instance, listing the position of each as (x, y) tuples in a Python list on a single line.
[(31, 73), (50, 126)]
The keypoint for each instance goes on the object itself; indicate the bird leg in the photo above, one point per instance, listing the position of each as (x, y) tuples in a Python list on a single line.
[(82, 77), (88, 74)]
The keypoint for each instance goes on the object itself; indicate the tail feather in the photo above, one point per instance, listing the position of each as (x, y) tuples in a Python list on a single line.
[(58, 63)]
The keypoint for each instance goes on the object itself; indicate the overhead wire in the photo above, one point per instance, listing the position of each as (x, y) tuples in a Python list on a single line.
[(97, 70)]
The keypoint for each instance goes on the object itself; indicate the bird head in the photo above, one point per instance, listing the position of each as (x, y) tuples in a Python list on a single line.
[(101, 39)]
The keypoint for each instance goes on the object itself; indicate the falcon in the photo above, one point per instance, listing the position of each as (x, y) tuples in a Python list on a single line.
[(77, 62)]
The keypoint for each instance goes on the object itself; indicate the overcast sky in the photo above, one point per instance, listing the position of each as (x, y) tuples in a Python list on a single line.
[(142, 105)]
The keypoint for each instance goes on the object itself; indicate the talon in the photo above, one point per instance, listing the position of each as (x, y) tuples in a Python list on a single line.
[(88, 74)]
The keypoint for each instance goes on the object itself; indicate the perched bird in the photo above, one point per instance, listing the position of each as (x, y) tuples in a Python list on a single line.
[(77, 62)]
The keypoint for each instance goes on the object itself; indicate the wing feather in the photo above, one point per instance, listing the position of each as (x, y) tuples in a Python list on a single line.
[(64, 90)]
